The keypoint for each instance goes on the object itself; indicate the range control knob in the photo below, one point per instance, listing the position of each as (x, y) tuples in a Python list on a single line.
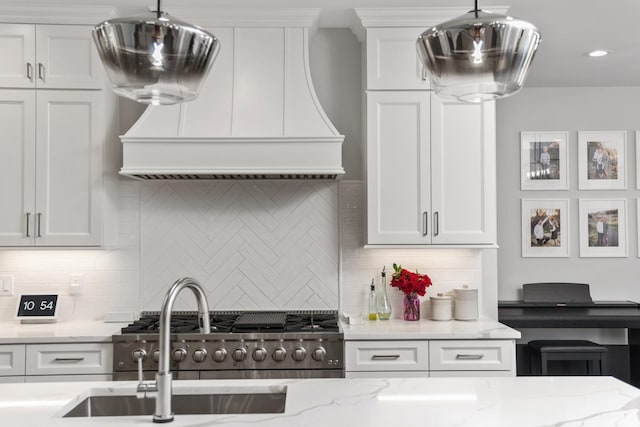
[(239, 354), (179, 354), (219, 355), (138, 354), (155, 355), (299, 354), (318, 354), (279, 354), (199, 355), (259, 354)]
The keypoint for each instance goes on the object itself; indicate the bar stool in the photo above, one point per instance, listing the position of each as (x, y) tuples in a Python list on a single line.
[(545, 350)]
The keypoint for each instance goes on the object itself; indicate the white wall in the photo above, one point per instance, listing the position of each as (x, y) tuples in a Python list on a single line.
[(572, 110)]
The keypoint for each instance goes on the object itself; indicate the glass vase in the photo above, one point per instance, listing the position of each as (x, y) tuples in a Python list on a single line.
[(411, 306)]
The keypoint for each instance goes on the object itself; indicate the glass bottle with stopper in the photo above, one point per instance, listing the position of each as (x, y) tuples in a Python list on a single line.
[(383, 306)]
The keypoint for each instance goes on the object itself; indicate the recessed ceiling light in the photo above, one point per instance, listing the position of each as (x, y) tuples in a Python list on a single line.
[(596, 53)]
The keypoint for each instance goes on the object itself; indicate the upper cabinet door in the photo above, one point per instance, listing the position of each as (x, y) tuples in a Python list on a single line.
[(392, 59), (398, 172), (18, 47), (71, 130), (463, 164), (66, 58), (17, 167)]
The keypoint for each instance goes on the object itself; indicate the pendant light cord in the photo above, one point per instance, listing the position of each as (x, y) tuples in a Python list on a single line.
[(158, 9), (475, 8)]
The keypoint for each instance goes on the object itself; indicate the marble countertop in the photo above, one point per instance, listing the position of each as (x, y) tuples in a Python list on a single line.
[(441, 402), (59, 332), (428, 329)]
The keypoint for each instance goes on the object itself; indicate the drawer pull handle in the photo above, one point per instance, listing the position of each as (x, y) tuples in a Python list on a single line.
[(68, 359), (385, 357), (469, 356)]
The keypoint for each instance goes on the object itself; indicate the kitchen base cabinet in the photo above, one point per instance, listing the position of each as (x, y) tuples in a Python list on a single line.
[(472, 355), (56, 362), (429, 358)]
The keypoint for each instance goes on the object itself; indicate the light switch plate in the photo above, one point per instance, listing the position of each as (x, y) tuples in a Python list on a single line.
[(6, 285)]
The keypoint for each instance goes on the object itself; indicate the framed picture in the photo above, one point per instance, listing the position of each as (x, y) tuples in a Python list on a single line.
[(545, 228), (602, 158), (543, 161), (603, 228)]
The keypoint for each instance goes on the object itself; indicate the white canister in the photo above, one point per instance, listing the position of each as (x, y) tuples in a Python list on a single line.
[(440, 307), (466, 304)]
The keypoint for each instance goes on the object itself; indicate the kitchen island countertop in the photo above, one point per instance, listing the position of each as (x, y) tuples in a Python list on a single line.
[(438, 402)]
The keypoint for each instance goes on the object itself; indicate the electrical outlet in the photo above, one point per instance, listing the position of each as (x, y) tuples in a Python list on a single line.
[(6, 285), (75, 284)]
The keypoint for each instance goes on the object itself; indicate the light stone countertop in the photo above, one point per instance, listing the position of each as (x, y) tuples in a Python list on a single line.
[(397, 329), (437, 402), (59, 332)]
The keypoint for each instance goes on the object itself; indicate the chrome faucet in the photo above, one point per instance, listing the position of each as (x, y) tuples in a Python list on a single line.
[(161, 389)]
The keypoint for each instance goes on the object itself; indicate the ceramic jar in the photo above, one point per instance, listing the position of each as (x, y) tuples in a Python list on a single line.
[(466, 303), (440, 307)]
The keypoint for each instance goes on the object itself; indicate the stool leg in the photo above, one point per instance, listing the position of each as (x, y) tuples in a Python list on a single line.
[(543, 363), (603, 364)]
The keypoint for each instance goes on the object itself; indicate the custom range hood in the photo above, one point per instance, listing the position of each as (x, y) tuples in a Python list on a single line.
[(257, 115)]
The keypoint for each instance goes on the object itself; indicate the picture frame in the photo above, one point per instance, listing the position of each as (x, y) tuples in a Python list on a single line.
[(602, 158), (603, 228), (545, 228), (544, 160)]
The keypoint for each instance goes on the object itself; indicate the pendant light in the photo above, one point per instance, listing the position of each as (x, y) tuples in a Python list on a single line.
[(155, 59), (478, 56)]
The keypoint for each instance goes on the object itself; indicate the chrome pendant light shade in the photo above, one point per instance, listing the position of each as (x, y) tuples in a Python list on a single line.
[(478, 56), (155, 59)]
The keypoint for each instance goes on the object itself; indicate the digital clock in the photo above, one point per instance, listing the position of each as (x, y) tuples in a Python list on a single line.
[(38, 308)]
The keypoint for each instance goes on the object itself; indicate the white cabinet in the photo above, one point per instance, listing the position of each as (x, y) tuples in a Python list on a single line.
[(430, 170), (56, 362), (386, 356), (51, 176), (429, 358), (472, 355), (69, 359), (392, 62), (12, 360), (48, 56)]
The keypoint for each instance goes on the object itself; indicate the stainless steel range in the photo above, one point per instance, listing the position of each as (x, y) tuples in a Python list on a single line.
[(254, 344)]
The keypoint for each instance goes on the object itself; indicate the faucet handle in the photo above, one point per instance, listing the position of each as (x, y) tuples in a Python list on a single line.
[(144, 390)]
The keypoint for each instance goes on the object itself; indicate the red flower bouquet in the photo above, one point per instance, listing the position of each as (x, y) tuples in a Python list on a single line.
[(409, 282)]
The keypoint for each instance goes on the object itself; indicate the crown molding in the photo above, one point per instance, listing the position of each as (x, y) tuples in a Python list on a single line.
[(55, 14), (422, 17)]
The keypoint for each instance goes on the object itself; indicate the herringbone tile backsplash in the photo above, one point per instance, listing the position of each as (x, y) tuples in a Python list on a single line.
[(251, 244)]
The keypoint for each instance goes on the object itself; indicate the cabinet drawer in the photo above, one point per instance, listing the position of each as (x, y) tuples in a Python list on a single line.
[(386, 355), (11, 360), (386, 374), (61, 359), (463, 355)]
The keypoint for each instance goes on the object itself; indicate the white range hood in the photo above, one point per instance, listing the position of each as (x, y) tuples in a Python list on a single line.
[(257, 115)]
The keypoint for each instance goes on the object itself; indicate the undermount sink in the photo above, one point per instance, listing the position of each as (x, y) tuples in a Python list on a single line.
[(110, 403)]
